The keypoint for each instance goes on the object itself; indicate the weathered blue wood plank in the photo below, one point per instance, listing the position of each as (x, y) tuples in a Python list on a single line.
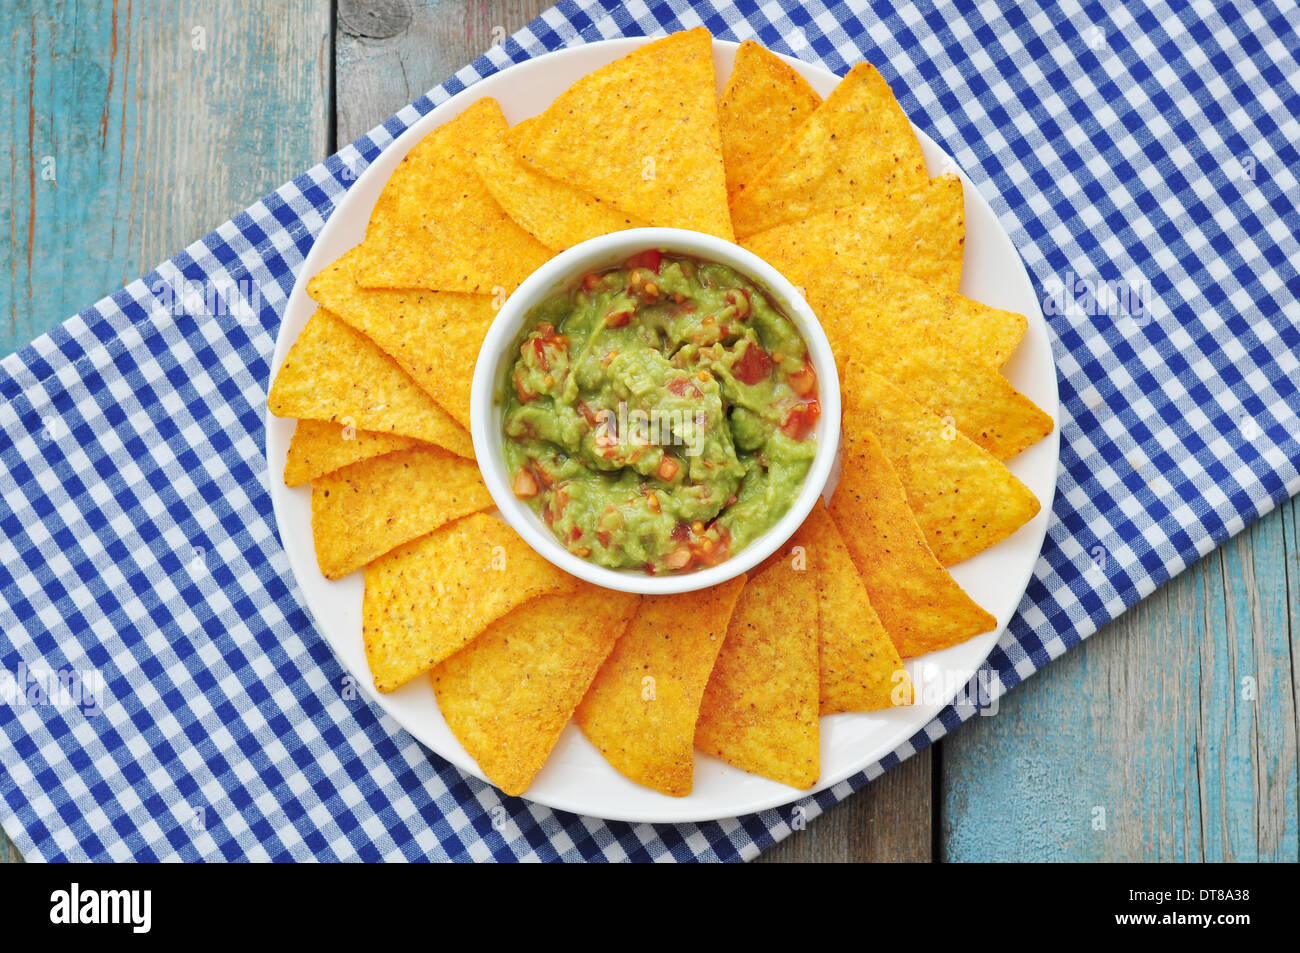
[(390, 52), (1249, 723), (1149, 728), (130, 130)]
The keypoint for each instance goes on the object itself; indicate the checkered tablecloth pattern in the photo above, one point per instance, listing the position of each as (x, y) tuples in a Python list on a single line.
[(1154, 146)]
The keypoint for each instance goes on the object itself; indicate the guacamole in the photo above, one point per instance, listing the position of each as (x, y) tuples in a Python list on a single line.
[(659, 415)]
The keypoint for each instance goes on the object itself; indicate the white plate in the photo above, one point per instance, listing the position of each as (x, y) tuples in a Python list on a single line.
[(577, 778)]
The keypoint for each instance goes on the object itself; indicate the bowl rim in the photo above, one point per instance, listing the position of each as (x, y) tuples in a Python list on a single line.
[(602, 251)]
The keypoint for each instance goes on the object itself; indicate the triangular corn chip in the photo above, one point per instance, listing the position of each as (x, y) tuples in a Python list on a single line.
[(918, 231), (857, 144), (860, 667), (363, 511), (765, 101), (642, 708), (964, 498), (437, 226), (508, 694), (434, 335), (969, 394), (891, 305), (317, 448), (918, 602), (426, 600), (760, 706), (642, 134), (557, 214), (335, 373)]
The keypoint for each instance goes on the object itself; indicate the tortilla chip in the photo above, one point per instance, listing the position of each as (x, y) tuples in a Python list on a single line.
[(437, 226), (369, 508), (964, 498), (642, 134), (856, 145), (317, 448), (335, 373), (434, 335), (860, 667), (508, 694), (760, 706), (980, 402), (429, 598), (918, 602), (557, 214), (970, 394), (901, 306), (765, 101), (918, 231), (642, 708)]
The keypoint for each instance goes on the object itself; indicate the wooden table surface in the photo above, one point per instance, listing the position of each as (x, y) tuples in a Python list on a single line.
[(133, 129)]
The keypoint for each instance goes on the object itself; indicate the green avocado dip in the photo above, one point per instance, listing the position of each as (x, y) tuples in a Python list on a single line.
[(660, 415)]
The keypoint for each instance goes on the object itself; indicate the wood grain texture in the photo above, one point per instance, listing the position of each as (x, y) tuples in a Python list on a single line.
[(158, 122), (125, 142), (8, 852), (1152, 721), (131, 129), (381, 65), (379, 69), (887, 821)]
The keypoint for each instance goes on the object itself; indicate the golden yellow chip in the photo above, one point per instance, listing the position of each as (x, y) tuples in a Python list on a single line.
[(557, 214), (918, 602), (918, 231), (642, 134), (363, 511), (335, 373), (429, 598), (964, 498), (437, 226), (969, 394), (760, 706), (317, 448), (642, 707), (856, 145), (765, 101), (434, 335), (898, 305), (860, 667), (980, 402), (508, 694)]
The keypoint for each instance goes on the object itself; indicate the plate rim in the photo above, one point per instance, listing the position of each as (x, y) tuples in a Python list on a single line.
[(275, 447)]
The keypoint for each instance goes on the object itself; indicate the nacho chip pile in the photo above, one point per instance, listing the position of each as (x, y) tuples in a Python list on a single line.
[(836, 195)]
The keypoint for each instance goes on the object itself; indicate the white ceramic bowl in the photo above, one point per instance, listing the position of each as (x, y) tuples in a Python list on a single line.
[(577, 778), (497, 356)]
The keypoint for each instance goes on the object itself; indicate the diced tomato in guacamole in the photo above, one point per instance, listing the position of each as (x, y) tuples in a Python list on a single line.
[(660, 415)]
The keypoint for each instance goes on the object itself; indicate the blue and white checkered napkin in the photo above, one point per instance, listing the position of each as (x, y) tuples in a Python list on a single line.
[(1150, 150)]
